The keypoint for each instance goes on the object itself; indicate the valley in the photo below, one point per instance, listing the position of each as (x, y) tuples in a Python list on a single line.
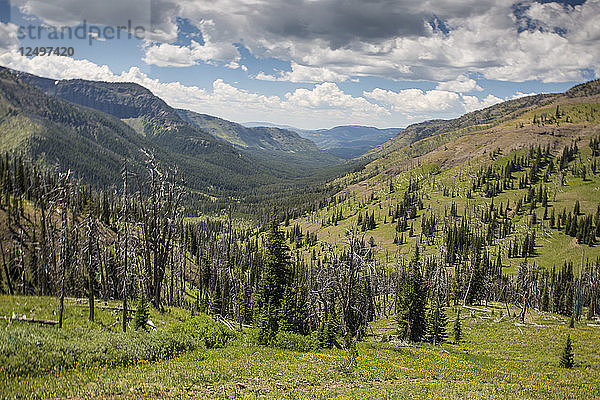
[(155, 252)]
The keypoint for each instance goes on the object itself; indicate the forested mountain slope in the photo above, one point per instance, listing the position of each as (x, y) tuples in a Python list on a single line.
[(350, 141), (262, 141), (522, 176), (283, 153), (93, 144)]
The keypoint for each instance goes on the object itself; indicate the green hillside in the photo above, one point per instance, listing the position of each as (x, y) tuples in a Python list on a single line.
[(93, 143), (459, 173), (266, 143)]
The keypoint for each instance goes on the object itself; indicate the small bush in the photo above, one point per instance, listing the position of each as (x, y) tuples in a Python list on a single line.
[(294, 341), (33, 350)]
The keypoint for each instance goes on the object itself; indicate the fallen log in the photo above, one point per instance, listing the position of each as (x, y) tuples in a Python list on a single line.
[(31, 320), (106, 307)]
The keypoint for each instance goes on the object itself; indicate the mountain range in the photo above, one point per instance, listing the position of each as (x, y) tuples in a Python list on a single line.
[(345, 141), (91, 127)]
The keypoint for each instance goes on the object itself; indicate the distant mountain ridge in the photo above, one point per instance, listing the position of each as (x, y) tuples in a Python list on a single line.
[(268, 138), (345, 141), (121, 120), (350, 141), (283, 153)]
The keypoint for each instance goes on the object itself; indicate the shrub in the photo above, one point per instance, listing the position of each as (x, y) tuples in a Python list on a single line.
[(293, 341), (32, 350)]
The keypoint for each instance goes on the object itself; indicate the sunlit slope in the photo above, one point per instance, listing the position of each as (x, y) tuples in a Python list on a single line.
[(448, 169)]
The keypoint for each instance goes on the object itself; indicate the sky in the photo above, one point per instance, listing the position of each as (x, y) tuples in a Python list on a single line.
[(313, 63)]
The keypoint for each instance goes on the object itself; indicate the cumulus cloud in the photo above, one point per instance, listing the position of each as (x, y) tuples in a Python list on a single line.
[(304, 74), (329, 95), (336, 40), (322, 105), (472, 103), (168, 55), (8, 37), (415, 100), (518, 95), (164, 54), (461, 84), (404, 40)]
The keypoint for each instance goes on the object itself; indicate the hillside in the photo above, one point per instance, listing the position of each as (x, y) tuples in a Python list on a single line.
[(350, 141), (262, 141), (346, 141), (93, 144), (91, 126), (412, 194), (474, 121)]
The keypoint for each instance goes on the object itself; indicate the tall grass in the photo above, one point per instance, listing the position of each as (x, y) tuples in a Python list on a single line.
[(33, 350)]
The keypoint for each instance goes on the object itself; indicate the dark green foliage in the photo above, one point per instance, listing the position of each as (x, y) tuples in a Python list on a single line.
[(294, 342), (325, 336), (457, 330), (411, 306), (142, 312), (436, 321), (567, 358), (272, 287)]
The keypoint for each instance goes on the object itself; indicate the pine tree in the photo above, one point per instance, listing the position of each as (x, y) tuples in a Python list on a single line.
[(411, 306), (567, 357), (457, 330), (142, 312), (436, 321), (287, 312), (273, 282)]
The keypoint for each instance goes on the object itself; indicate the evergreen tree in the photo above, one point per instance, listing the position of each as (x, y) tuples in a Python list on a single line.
[(411, 306), (287, 314), (142, 312), (436, 321), (457, 330), (274, 280), (567, 357)]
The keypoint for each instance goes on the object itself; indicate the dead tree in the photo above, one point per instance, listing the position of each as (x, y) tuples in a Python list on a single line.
[(160, 216)]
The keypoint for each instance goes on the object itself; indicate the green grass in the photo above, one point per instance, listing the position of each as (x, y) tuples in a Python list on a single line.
[(498, 358), (553, 247), (30, 350)]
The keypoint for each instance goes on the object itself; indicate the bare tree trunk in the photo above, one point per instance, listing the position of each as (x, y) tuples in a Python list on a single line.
[(91, 270), (125, 247), (6, 271)]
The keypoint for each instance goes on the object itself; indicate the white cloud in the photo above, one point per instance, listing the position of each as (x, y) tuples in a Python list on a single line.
[(329, 96), (336, 40), (304, 74), (415, 100), (461, 84), (482, 37), (168, 55), (323, 105), (8, 37), (472, 103), (163, 54), (518, 95)]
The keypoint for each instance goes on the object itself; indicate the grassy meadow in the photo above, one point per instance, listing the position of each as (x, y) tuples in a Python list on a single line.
[(498, 357)]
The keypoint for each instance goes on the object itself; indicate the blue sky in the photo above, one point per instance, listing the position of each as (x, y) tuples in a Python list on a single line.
[(316, 64)]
